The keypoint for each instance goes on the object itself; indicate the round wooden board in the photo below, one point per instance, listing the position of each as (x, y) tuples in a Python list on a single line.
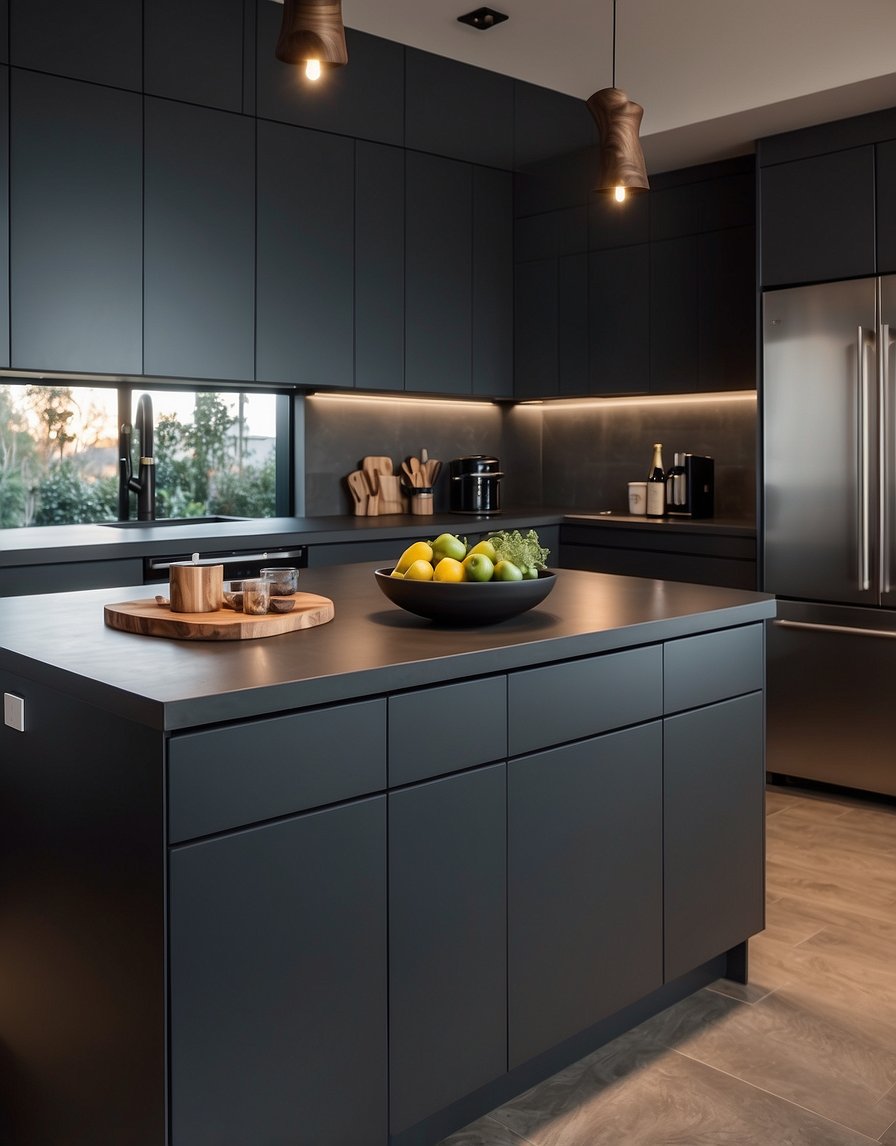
[(150, 619)]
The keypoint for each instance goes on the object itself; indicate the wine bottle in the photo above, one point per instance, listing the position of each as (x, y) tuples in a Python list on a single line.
[(656, 483)]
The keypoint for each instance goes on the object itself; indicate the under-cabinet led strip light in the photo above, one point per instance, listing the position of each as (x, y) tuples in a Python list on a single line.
[(639, 400), (467, 403)]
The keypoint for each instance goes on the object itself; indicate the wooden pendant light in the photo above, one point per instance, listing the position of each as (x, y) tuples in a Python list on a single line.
[(622, 167), (312, 30)]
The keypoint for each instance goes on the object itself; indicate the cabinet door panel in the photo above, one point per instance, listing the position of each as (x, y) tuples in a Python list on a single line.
[(492, 283), (438, 275), (4, 215), (714, 881), (379, 267), (194, 51), (97, 40), (278, 982), (619, 320), (305, 256), (199, 300), (535, 329), (886, 194), (76, 209), (818, 218), (447, 941), (674, 355), (585, 885), (727, 287), (4, 31), (572, 324)]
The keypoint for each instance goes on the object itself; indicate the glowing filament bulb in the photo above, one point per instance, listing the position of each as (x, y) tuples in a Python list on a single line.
[(312, 69), (619, 192)]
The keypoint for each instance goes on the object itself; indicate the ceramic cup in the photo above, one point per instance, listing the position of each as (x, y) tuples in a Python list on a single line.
[(284, 579), (637, 497), (256, 596)]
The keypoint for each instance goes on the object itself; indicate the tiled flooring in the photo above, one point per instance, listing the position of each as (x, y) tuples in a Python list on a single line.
[(805, 1054)]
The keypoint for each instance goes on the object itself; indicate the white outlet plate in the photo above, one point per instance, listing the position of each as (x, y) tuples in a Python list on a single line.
[(14, 711)]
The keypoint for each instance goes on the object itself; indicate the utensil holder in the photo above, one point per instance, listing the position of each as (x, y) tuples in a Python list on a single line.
[(421, 501), (196, 588)]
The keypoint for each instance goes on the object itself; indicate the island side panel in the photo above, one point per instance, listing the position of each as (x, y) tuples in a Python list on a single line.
[(82, 925)]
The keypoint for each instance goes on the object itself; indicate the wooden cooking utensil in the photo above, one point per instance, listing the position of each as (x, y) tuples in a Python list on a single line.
[(357, 485)]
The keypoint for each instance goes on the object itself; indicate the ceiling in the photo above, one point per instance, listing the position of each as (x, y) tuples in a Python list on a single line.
[(712, 75)]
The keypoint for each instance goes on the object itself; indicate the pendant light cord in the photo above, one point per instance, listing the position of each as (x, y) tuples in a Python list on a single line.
[(614, 43)]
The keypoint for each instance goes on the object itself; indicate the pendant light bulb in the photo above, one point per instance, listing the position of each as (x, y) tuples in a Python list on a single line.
[(312, 34), (619, 193)]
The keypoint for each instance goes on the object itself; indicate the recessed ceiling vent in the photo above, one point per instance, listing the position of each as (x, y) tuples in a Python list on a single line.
[(483, 18)]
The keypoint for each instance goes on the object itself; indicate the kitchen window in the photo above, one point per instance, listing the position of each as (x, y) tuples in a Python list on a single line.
[(217, 452)]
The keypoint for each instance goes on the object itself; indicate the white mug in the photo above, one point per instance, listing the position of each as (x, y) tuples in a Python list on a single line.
[(637, 497)]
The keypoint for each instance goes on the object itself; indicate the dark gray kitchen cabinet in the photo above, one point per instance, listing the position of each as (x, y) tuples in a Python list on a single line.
[(447, 941), (96, 40), (535, 329), (199, 242), (585, 883), (492, 304), (4, 31), (817, 218), (4, 216), (379, 267), (278, 982), (364, 99), (713, 884), (459, 111), (673, 311), (25, 580), (304, 323), (76, 197), (619, 320), (194, 51), (438, 275), (727, 309), (885, 157)]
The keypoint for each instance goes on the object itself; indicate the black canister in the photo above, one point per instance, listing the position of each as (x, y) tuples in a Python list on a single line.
[(474, 485)]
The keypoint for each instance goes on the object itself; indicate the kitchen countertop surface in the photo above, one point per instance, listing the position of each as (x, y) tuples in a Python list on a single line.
[(51, 544), (60, 640)]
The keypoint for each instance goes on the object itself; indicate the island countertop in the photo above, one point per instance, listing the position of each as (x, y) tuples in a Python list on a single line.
[(370, 647)]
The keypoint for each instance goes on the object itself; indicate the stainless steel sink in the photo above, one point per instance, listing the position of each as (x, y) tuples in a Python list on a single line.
[(166, 521)]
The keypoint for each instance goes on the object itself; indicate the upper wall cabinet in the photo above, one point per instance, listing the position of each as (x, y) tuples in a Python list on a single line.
[(817, 218), (97, 40), (492, 283), (438, 275), (4, 216), (4, 31), (459, 111), (548, 124), (365, 99), (199, 294), (194, 51), (619, 320), (76, 237), (379, 267), (305, 256), (886, 218)]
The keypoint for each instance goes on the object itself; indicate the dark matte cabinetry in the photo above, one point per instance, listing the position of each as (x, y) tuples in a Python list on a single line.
[(619, 320), (278, 982), (4, 31), (194, 51), (76, 191), (4, 214), (492, 301), (585, 864), (199, 242), (304, 314), (96, 40), (447, 940), (885, 157), (817, 218)]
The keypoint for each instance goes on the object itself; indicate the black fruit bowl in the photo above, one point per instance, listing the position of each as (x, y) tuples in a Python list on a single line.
[(466, 603)]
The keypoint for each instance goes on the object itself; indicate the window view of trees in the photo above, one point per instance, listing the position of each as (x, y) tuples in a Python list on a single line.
[(59, 455)]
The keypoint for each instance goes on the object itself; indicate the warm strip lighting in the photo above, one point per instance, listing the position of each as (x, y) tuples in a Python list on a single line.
[(641, 400), (468, 403)]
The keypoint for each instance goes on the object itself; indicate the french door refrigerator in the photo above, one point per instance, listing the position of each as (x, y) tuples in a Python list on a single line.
[(829, 530)]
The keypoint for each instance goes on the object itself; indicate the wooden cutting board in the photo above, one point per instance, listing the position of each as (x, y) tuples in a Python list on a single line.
[(150, 619)]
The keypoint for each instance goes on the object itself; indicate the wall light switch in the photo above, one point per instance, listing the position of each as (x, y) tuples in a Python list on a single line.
[(14, 711)]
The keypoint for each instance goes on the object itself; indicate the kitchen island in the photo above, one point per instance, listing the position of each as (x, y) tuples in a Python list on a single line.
[(357, 884)]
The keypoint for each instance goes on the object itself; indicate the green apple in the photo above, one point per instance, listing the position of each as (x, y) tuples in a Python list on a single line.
[(479, 567), (507, 571), (447, 545)]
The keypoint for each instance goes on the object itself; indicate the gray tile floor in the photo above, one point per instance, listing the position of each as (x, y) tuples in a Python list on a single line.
[(804, 1054)]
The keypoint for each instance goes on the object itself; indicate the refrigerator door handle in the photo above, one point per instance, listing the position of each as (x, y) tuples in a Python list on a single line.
[(884, 468), (851, 630), (864, 506)]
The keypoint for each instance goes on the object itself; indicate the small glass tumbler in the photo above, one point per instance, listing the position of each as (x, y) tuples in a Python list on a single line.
[(284, 580), (256, 596)]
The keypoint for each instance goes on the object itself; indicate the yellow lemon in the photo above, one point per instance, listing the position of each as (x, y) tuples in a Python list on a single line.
[(419, 571), (419, 551), (487, 548), (395, 573), (449, 569)]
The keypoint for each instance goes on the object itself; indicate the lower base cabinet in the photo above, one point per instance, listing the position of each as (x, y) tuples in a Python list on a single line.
[(278, 983), (585, 884), (447, 941)]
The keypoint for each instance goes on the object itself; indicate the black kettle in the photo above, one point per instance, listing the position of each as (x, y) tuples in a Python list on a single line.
[(474, 485)]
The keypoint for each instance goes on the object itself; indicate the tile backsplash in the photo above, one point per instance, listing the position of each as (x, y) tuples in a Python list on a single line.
[(557, 455)]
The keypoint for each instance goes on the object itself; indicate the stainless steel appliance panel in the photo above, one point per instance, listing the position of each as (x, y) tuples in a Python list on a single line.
[(819, 408), (886, 365), (830, 714)]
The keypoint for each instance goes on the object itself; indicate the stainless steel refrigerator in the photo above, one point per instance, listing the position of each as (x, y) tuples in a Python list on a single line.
[(829, 543)]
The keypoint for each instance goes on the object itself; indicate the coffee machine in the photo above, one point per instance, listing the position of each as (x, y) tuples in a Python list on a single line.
[(690, 486)]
